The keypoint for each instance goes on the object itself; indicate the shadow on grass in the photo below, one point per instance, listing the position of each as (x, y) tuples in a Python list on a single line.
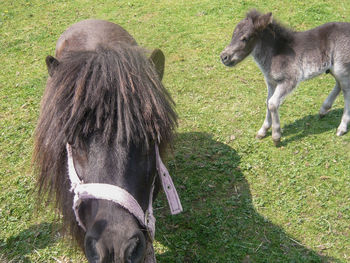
[(16, 248), (309, 125), (219, 222)]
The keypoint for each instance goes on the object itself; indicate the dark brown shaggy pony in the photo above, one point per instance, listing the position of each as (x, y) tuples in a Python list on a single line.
[(106, 99)]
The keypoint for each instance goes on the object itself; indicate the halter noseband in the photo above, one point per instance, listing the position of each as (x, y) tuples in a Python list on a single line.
[(123, 198)]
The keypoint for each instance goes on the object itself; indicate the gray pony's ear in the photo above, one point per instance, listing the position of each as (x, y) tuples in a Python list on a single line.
[(263, 21), (51, 63), (158, 59)]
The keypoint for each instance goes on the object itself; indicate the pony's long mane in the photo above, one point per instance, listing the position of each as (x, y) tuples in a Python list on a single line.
[(116, 93), (280, 32)]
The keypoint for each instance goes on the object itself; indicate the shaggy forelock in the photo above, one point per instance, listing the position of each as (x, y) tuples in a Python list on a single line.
[(116, 92)]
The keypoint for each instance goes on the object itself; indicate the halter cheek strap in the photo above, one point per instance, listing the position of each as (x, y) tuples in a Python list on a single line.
[(123, 198), (168, 186)]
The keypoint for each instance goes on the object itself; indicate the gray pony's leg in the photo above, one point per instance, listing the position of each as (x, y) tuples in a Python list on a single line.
[(267, 122), (343, 127), (282, 90), (327, 104)]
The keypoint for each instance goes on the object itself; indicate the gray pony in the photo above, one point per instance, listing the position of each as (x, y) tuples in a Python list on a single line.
[(287, 58)]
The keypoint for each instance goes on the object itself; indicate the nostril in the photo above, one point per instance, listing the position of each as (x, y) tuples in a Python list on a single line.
[(135, 248), (224, 57)]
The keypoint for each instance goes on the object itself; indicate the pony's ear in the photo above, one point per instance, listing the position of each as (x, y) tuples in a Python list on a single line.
[(158, 59), (51, 64), (263, 21)]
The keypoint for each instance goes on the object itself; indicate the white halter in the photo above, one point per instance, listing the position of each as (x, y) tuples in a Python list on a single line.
[(123, 198)]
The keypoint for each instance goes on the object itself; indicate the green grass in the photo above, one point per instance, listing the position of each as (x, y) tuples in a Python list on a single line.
[(244, 200)]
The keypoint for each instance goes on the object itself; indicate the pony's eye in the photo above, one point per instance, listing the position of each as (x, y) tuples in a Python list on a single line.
[(244, 39)]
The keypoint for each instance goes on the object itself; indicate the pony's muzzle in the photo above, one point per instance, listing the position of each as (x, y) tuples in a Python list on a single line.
[(132, 250), (226, 58)]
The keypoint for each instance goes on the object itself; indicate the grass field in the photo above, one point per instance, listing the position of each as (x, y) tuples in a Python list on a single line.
[(244, 200)]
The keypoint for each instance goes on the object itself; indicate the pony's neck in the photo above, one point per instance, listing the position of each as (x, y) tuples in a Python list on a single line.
[(263, 49), (275, 39)]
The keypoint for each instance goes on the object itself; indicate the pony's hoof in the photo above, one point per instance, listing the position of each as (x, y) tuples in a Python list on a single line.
[(321, 115), (323, 112), (261, 133), (340, 132), (277, 142), (260, 136)]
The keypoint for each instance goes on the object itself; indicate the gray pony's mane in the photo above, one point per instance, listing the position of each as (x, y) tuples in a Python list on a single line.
[(280, 32)]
